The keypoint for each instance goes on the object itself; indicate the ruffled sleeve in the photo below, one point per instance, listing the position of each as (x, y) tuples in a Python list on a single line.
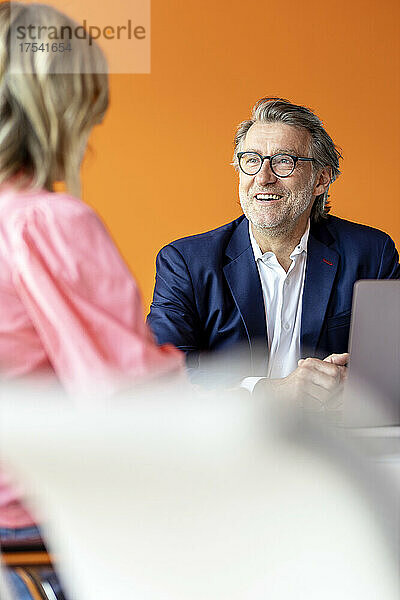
[(82, 299)]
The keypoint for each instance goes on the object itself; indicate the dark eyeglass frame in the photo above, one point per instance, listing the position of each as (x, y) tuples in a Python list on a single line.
[(263, 158)]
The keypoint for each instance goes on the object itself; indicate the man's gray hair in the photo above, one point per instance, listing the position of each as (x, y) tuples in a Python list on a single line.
[(323, 149)]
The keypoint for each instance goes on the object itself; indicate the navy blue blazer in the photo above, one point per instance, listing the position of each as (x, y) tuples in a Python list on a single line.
[(208, 293)]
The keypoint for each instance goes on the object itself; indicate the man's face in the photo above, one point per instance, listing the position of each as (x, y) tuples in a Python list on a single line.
[(296, 192)]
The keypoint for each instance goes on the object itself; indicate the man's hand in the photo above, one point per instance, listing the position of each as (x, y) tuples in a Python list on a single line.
[(315, 383), (341, 360)]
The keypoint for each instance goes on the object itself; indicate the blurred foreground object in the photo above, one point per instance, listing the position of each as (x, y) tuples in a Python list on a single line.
[(4, 589), (211, 497)]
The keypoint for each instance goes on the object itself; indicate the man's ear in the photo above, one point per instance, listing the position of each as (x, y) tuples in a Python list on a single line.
[(322, 181)]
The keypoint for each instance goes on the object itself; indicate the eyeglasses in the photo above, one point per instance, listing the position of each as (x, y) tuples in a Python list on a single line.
[(282, 165)]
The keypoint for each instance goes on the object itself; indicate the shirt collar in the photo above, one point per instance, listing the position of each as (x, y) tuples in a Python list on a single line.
[(301, 246)]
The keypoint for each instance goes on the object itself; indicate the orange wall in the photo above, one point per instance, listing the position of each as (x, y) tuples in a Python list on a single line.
[(160, 168)]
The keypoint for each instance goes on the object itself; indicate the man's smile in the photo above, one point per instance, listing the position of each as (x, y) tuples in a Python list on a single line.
[(267, 197)]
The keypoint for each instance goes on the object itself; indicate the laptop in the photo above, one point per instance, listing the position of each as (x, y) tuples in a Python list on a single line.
[(372, 391)]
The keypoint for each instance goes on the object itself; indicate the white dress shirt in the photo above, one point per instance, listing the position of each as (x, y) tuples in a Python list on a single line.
[(283, 294)]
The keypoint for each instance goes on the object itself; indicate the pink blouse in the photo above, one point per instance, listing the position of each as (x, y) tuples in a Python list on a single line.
[(68, 305)]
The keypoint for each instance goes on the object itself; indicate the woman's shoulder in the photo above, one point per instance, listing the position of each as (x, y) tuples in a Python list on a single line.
[(59, 231), (14, 199), (19, 208)]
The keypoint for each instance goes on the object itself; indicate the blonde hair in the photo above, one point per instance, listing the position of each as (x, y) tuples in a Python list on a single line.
[(48, 102)]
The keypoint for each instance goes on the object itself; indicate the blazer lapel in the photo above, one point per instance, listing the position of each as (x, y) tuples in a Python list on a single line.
[(322, 264), (244, 282)]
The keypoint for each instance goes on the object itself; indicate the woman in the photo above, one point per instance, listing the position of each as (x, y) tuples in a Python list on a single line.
[(69, 306)]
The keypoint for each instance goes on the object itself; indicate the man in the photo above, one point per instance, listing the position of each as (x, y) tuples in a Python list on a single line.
[(283, 273)]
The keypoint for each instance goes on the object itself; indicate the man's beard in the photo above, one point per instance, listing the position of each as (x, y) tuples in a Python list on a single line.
[(277, 219)]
